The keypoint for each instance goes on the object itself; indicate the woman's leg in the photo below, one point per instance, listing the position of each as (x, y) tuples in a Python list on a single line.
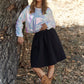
[(50, 71), (39, 72)]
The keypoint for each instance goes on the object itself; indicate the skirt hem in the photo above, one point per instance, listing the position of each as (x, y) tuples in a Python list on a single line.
[(49, 64)]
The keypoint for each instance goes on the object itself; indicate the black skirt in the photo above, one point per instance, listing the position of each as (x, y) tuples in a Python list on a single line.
[(46, 49)]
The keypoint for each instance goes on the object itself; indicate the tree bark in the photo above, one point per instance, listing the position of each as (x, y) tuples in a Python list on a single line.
[(10, 50)]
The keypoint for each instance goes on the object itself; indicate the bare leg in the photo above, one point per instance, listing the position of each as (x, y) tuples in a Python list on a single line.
[(50, 71), (39, 72)]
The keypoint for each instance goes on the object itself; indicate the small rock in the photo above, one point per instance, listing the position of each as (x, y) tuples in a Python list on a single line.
[(68, 57)]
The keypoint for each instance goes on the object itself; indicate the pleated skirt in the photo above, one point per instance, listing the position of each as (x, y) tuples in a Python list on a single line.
[(46, 49)]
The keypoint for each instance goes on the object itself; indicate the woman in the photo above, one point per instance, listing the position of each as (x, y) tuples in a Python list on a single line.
[(46, 46)]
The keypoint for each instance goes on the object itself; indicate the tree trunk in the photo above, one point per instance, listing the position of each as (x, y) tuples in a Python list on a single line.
[(9, 48)]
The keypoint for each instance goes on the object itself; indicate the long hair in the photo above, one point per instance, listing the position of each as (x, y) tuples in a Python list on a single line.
[(34, 3)]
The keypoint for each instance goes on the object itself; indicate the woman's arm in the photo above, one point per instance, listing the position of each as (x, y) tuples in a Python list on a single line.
[(19, 23), (50, 19)]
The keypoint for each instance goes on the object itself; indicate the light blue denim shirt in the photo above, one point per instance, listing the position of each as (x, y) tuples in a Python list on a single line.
[(34, 21)]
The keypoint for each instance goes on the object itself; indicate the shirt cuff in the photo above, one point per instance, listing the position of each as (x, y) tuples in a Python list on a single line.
[(19, 35)]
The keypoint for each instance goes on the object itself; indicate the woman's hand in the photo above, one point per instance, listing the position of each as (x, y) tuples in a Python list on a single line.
[(20, 40), (44, 26)]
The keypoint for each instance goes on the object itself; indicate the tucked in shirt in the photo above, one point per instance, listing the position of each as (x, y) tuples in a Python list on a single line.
[(34, 21)]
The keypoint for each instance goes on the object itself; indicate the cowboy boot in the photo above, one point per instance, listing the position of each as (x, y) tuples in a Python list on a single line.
[(50, 79), (45, 79)]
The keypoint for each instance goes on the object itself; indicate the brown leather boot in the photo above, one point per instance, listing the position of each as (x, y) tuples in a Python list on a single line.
[(50, 79), (45, 80)]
